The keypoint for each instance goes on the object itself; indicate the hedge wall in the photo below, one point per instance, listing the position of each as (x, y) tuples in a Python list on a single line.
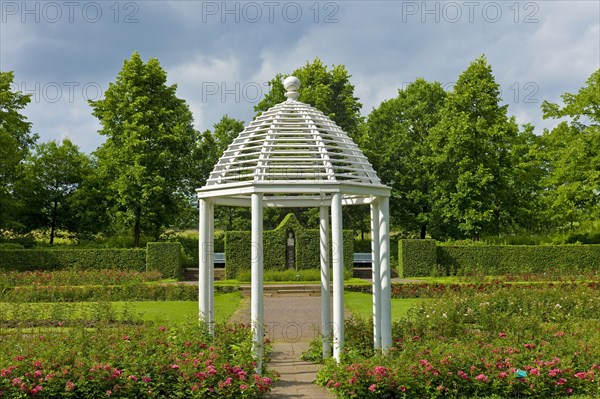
[(504, 259), (416, 257), (238, 248), (166, 257), (53, 259)]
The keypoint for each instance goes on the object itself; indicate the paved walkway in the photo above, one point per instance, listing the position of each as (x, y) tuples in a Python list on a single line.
[(291, 322)]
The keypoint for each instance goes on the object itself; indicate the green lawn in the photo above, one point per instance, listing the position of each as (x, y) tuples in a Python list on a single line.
[(361, 305), (156, 311)]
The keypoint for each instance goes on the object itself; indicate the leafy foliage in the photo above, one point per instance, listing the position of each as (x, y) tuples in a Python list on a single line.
[(238, 248), (396, 139), (54, 259), (166, 257), (416, 257), (15, 142), (145, 160), (573, 156), (50, 178)]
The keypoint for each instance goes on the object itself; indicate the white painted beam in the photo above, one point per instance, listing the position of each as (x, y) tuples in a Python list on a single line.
[(338, 275), (325, 288), (256, 296)]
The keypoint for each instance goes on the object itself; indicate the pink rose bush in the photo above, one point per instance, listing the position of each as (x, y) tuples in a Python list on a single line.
[(153, 362), (503, 344)]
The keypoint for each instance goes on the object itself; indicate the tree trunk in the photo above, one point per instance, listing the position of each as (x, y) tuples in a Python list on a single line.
[(423, 231), (53, 222), (137, 229)]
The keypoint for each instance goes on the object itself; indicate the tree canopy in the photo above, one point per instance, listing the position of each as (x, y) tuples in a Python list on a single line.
[(150, 138), (16, 140)]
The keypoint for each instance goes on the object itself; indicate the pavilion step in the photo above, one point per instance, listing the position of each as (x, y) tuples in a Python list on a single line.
[(366, 273), (285, 290), (193, 274)]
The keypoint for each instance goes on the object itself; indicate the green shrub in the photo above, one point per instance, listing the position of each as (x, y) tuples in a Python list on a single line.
[(289, 275), (165, 257), (55, 259), (518, 259), (238, 248), (416, 257)]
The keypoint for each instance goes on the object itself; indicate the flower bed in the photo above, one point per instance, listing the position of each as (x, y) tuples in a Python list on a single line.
[(509, 342), (76, 277), (131, 361)]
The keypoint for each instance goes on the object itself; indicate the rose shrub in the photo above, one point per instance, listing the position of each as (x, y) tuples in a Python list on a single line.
[(131, 361), (510, 342)]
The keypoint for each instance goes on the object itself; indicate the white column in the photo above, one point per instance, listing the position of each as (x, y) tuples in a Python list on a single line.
[(211, 266), (376, 274), (256, 299), (385, 273), (203, 266), (338, 275), (325, 290)]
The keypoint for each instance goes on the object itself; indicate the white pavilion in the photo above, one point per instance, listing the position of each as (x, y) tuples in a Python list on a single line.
[(295, 156)]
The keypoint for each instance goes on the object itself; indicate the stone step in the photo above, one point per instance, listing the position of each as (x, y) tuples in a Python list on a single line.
[(193, 274), (272, 290), (365, 273)]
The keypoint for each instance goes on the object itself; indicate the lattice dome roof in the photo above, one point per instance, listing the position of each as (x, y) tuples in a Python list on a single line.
[(295, 147)]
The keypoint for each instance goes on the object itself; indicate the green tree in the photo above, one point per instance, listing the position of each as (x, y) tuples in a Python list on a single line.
[(15, 142), (573, 155), (209, 149), (471, 160), (145, 160), (329, 91), (397, 143), (51, 175)]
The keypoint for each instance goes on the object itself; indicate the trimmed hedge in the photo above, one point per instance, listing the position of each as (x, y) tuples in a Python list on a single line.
[(238, 248), (518, 259), (54, 259), (416, 257), (166, 257)]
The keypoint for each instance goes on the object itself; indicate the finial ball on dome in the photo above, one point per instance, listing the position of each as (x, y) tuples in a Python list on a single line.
[(291, 83)]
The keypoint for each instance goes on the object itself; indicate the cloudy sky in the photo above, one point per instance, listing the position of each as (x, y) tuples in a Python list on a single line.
[(222, 53)]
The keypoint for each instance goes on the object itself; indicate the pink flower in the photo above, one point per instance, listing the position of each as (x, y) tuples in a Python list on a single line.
[(373, 387), (37, 373), (69, 386), (502, 375), (534, 371), (36, 389), (462, 374), (175, 366), (502, 335), (243, 386), (481, 377), (380, 370), (581, 375), (132, 377), (561, 381), (108, 393), (559, 334), (146, 379), (554, 372), (16, 381)]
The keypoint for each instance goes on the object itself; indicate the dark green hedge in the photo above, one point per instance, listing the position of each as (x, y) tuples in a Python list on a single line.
[(238, 248), (166, 257), (416, 257), (54, 259), (505, 259)]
